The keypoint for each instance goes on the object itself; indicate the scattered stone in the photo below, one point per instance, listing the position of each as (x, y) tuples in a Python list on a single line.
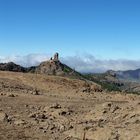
[(86, 90), (46, 109), (65, 112), (115, 109), (38, 116), (61, 127), (3, 116), (107, 105), (26, 106), (56, 106), (12, 95), (2, 94), (35, 92), (33, 115), (19, 122)]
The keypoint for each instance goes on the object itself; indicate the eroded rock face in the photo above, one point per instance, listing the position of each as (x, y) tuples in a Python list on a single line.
[(56, 57), (51, 67)]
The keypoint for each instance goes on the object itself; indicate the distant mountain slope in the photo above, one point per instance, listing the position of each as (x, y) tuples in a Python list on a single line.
[(107, 80), (127, 81), (12, 67), (129, 75)]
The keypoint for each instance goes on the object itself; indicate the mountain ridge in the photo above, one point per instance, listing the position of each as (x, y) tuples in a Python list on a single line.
[(128, 81), (48, 67), (123, 81)]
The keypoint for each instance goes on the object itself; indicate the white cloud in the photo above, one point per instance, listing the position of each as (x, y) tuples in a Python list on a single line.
[(26, 61), (86, 63), (89, 63)]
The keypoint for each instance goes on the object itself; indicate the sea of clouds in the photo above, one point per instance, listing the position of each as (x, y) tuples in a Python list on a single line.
[(82, 63)]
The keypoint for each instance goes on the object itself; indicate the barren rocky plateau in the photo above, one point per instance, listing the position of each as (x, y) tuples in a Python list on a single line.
[(38, 107)]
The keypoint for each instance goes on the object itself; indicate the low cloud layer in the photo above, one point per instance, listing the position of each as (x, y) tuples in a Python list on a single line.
[(85, 64), (90, 64), (26, 61)]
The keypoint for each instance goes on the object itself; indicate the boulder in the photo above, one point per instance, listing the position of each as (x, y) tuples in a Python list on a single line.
[(3, 117)]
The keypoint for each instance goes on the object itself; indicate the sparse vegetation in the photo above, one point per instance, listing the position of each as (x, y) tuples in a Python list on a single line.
[(105, 85)]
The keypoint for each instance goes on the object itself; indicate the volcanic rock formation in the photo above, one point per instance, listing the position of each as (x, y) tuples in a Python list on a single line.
[(55, 67)]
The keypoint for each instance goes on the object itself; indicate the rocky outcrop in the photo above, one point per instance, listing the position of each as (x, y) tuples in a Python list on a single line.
[(51, 67), (56, 57), (3, 117), (55, 67)]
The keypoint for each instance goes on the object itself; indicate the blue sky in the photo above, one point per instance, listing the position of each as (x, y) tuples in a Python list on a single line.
[(107, 29)]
